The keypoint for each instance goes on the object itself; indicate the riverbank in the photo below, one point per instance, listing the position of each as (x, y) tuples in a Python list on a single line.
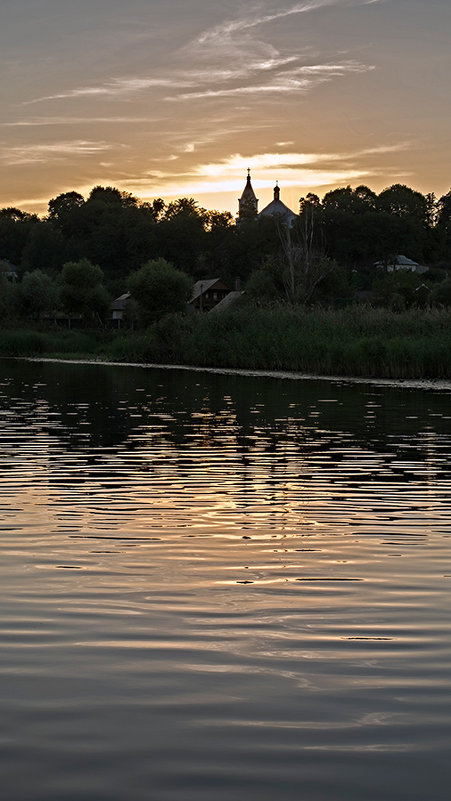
[(354, 342)]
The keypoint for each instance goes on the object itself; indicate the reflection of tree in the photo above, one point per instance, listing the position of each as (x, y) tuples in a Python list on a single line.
[(99, 409)]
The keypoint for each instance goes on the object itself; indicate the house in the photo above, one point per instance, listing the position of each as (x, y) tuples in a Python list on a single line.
[(123, 310), (227, 301), (402, 263), (10, 270), (208, 293)]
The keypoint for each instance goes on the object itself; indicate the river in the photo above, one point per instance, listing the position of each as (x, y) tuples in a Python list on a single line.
[(222, 587)]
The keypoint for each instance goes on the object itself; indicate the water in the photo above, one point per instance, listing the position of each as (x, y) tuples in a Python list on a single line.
[(222, 587)]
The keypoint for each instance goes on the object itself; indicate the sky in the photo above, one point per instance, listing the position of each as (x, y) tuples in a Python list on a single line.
[(177, 98)]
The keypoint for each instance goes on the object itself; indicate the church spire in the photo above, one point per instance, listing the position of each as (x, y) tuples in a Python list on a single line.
[(248, 203)]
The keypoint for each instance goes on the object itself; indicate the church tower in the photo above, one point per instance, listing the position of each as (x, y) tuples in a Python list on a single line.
[(248, 203)]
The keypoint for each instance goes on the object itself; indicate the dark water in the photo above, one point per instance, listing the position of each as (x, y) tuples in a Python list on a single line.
[(222, 587)]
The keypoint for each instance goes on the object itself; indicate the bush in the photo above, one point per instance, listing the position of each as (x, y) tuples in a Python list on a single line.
[(158, 289)]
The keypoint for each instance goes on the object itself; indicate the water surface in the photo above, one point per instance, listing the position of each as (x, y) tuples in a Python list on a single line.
[(222, 587)]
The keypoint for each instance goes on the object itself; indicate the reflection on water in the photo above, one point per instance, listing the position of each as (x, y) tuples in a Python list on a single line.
[(222, 587)]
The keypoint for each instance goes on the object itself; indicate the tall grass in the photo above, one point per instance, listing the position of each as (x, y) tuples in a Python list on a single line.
[(354, 341), (28, 342)]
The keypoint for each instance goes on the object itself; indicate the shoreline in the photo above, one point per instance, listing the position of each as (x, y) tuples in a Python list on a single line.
[(442, 385)]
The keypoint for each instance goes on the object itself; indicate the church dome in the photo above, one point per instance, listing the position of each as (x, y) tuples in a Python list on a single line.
[(278, 209)]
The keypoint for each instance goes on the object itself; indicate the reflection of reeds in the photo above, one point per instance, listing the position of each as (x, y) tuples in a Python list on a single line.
[(353, 341)]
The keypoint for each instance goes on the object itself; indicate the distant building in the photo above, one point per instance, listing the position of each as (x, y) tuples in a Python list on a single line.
[(123, 309), (248, 202), (208, 293), (402, 263), (278, 209), (10, 270), (248, 205), (227, 301)]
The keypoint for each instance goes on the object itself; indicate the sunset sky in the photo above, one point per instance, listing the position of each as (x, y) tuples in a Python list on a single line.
[(170, 98)]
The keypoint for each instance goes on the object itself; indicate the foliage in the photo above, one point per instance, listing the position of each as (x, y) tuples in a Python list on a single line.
[(441, 293), (334, 244), (6, 293), (37, 295), (81, 290), (46, 249), (158, 288), (265, 285)]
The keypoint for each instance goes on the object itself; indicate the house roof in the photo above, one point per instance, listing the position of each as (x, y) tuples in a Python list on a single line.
[(404, 263), (200, 287), (401, 261), (225, 302), (10, 268), (121, 302)]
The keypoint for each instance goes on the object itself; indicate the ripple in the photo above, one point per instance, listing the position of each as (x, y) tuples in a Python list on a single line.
[(203, 587)]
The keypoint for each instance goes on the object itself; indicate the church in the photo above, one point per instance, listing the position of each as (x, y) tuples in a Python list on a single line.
[(248, 205)]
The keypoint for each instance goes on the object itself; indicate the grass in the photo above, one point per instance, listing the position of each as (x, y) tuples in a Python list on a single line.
[(354, 341)]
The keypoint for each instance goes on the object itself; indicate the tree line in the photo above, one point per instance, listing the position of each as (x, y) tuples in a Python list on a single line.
[(85, 251)]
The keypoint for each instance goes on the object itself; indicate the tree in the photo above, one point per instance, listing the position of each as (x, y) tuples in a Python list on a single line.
[(46, 248), (181, 235), (112, 230), (82, 291), (401, 289), (16, 227), (186, 206), (305, 266), (7, 292), (405, 203), (37, 294), (63, 211), (265, 285), (158, 288), (64, 204), (443, 227), (156, 209), (112, 195), (441, 293), (16, 215)]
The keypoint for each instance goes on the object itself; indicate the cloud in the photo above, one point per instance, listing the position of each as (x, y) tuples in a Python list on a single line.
[(235, 42), (39, 154), (238, 164), (189, 187), (293, 169), (226, 60), (225, 30), (64, 120), (123, 88), (116, 87), (301, 79)]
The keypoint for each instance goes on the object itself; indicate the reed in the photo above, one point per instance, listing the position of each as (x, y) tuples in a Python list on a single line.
[(354, 341)]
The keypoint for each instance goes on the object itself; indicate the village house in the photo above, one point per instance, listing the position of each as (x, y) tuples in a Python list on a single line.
[(207, 293), (400, 262), (123, 310), (10, 270)]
